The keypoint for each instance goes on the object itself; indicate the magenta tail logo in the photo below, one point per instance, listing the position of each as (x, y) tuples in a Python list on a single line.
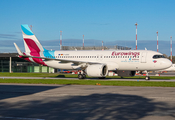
[(34, 51), (32, 46)]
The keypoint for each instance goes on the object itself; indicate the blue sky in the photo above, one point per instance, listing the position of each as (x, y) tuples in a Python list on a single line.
[(103, 20)]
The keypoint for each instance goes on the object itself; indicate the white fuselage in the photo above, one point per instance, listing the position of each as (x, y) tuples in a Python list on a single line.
[(114, 59)]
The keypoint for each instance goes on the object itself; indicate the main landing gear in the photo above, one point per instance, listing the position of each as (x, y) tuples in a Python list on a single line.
[(82, 76)]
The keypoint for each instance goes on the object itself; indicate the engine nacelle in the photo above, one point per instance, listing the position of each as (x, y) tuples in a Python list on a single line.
[(97, 70), (125, 73)]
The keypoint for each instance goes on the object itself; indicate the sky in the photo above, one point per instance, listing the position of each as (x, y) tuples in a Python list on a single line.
[(110, 21)]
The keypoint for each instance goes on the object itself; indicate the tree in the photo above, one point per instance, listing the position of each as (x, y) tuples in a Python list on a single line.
[(165, 55), (173, 59)]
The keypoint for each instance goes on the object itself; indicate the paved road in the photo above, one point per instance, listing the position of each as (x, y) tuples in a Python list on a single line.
[(117, 79), (81, 102), (163, 74)]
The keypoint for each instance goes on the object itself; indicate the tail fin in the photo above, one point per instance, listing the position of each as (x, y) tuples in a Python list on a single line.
[(31, 43)]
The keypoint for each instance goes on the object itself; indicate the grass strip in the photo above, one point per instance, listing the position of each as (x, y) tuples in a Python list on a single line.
[(6, 74), (90, 82)]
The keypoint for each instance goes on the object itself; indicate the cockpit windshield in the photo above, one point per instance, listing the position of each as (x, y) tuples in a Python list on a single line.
[(158, 56)]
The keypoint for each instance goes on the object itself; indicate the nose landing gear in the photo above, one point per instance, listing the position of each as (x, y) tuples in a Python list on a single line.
[(147, 76)]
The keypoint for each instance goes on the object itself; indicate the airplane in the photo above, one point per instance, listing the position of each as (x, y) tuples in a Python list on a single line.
[(94, 63)]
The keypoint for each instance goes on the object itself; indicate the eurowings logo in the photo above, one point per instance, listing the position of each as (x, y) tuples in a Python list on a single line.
[(125, 53), (154, 61)]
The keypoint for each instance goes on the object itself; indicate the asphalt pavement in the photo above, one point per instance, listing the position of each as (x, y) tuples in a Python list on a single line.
[(85, 102)]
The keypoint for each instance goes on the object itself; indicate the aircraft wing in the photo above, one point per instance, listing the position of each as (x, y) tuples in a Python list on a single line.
[(17, 48), (48, 59), (64, 60), (19, 51)]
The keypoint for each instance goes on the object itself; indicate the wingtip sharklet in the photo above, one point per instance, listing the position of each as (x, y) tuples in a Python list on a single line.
[(18, 50)]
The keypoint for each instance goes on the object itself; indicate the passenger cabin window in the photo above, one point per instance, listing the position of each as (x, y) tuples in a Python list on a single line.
[(158, 56)]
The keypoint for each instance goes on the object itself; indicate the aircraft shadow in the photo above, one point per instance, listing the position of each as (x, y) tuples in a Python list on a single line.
[(95, 106), (61, 76), (10, 91)]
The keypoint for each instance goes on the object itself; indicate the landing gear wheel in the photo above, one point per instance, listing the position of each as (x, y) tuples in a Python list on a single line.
[(80, 76), (147, 78)]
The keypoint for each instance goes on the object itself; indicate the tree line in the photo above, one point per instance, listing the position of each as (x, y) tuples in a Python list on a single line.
[(169, 57)]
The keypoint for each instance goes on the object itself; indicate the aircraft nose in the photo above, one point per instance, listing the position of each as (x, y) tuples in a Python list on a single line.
[(166, 63)]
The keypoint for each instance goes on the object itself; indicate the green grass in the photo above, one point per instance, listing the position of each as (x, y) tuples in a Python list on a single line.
[(75, 76), (6, 74), (85, 82), (143, 77), (89, 82)]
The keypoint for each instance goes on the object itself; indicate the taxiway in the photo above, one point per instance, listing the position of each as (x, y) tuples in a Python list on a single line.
[(84, 102)]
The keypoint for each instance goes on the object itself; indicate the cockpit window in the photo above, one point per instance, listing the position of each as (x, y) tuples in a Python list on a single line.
[(158, 56)]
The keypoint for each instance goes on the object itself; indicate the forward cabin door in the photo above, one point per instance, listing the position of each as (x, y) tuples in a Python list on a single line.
[(143, 57)]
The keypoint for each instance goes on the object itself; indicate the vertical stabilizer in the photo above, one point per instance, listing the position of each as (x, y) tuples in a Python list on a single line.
[(31, 43)]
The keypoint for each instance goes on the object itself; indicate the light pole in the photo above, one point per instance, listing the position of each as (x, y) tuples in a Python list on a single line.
[(171, 48), (136, 34), (157, 42)]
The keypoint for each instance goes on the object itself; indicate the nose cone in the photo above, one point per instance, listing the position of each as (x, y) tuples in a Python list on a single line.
[(166, 63)]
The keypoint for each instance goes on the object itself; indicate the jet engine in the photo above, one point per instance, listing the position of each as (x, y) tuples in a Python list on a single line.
[(125, 73), (97, 70)]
